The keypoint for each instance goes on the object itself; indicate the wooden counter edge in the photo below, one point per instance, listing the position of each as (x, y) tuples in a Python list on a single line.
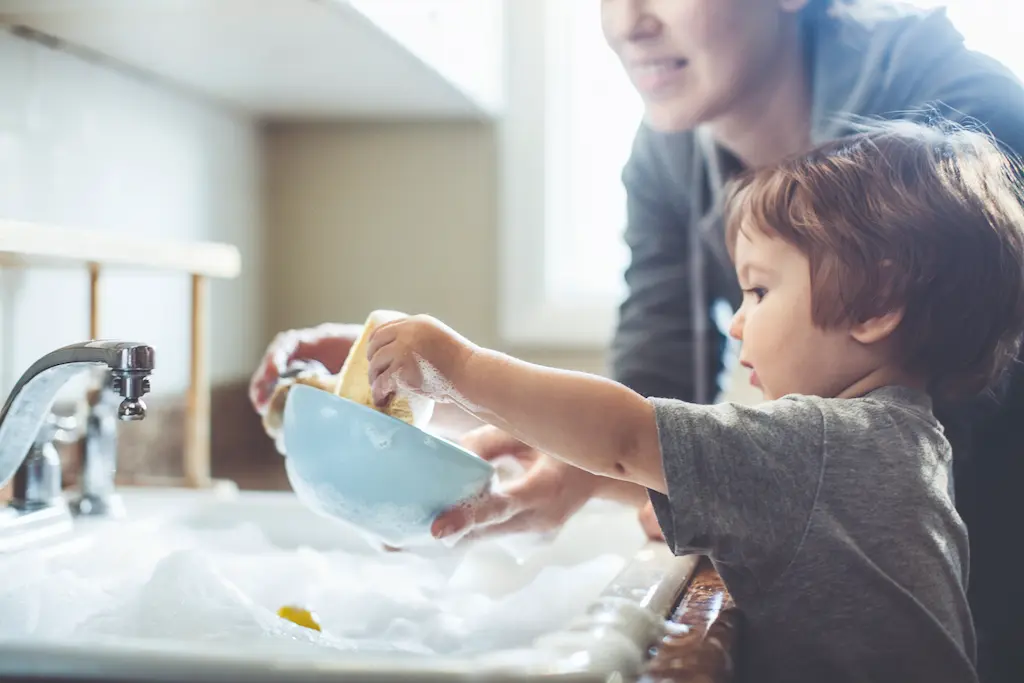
[(703, 643)]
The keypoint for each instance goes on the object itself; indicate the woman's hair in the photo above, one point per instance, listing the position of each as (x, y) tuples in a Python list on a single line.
[(927, 219)]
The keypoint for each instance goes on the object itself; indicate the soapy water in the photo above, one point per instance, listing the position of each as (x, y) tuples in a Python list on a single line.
[(224, 586), (438, 388)]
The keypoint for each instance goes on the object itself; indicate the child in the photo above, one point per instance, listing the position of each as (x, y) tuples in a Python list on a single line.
[(878, 271)]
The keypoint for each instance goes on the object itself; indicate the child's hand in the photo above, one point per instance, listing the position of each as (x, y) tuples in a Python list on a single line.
[(418, 354)]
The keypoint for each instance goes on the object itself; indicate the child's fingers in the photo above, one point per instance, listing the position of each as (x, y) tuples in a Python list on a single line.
[(381, 337), (382, 363), (382, 388)]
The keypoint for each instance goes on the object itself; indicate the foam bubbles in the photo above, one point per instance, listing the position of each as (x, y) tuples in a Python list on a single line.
[(380, 437), (393, 523), (437, 387), (223, 587)]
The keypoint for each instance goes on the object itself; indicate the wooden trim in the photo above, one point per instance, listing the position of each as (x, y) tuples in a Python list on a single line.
[(33, 244), (197, 417), (94, 300)]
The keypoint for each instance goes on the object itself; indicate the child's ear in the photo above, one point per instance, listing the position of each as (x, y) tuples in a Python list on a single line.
[(879, 328)]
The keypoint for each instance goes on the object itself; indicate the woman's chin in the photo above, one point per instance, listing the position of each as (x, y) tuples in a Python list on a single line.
[(670, 116)]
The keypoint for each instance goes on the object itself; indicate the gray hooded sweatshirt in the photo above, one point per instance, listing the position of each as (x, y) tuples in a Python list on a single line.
[(887, 61)]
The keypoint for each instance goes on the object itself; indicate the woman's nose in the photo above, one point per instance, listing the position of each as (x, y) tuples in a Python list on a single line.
[(626, 21)]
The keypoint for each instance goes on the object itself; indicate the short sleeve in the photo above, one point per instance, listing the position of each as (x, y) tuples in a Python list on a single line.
[(741, 480)]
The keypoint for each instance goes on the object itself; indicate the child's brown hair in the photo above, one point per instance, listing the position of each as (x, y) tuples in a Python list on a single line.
[(927, 218)]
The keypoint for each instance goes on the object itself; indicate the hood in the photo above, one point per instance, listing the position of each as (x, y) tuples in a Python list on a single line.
[(869, 58)]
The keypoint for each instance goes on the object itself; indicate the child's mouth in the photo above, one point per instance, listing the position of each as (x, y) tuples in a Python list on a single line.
[(754, 381)]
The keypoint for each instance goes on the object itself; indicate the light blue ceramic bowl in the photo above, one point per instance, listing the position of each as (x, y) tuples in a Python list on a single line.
[(374, 471)]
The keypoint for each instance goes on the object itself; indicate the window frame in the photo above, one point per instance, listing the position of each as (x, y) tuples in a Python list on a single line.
[(531, 179)]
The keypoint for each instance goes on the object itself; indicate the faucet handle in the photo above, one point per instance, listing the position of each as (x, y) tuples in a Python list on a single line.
[(63, 429), (37, 483)]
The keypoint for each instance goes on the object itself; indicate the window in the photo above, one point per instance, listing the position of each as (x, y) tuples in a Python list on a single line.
[(989, 26), (593, 112), (571, 115)]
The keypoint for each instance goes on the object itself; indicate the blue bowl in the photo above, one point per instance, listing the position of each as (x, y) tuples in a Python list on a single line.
[(380, 474)]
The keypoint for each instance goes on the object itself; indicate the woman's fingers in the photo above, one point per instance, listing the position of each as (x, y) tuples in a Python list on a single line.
[(488, 509), (490, 442), (649, 522)]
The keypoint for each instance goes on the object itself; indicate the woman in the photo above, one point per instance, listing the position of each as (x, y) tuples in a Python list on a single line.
[(730, 84)]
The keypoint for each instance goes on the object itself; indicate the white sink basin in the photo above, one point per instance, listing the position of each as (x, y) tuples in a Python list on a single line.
[(188, 585)]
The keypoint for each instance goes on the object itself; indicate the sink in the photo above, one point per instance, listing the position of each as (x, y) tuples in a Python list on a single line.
[(186, 587)]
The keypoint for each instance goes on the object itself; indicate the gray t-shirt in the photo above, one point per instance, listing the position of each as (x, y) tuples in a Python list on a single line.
[(832, 523)]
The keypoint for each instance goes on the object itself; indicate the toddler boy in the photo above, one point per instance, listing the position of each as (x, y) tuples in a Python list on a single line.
[(879, 271)]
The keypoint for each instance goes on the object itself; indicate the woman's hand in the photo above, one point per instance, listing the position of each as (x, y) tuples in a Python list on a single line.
[(649, 522), (543, 499), (418, 354), (327, 344)]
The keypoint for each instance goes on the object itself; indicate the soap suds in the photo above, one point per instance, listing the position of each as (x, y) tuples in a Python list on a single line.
[(436, 386), (380, 438), (421, 407), (491, 496), (222, 586), (394, 524)]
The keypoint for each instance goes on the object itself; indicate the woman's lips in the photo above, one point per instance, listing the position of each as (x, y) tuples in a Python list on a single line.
[(653, 76)]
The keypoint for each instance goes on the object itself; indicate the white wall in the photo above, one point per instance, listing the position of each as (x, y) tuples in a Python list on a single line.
[(389, 215), (87, 145)]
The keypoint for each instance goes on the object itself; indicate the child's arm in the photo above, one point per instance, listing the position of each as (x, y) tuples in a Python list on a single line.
[(585, 420), (740, 482), (589, 421)]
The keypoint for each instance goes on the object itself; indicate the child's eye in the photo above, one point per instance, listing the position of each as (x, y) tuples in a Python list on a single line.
[(758, 292)]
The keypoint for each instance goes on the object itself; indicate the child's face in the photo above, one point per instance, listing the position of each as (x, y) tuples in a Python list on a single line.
[(786, 351)]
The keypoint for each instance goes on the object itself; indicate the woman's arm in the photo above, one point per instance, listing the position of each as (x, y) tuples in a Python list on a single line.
[(656, 336)]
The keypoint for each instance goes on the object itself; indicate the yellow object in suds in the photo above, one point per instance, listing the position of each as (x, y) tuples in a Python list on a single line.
[(300, 616)]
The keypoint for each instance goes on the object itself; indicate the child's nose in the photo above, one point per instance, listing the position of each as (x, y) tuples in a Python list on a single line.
[(736, 325)]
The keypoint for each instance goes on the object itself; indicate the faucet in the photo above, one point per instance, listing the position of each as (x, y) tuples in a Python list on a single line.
[(26, 412), (97, 496)]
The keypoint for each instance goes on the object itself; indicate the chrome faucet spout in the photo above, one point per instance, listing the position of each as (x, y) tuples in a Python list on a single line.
[(29, 402)]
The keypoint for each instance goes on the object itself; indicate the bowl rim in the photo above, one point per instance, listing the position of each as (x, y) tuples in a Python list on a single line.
[(484, 465)]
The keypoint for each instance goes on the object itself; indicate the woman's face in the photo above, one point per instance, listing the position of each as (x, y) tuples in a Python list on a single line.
[(693, 60)]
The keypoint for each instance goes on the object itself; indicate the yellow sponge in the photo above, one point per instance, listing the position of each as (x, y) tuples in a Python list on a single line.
[(354, 378)]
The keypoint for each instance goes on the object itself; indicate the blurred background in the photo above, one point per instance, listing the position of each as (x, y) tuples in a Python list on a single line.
[(454, 157)]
